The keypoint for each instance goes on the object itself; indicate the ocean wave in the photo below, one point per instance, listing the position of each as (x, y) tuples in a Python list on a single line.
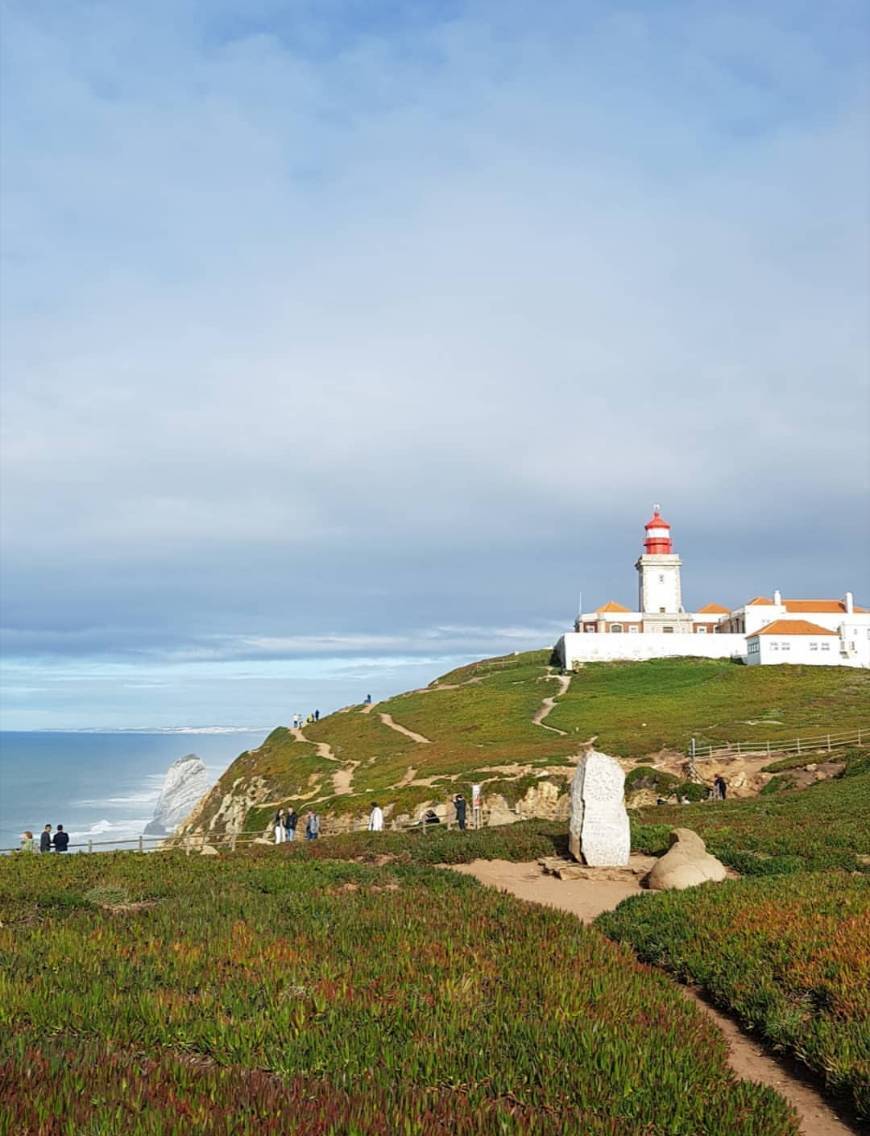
[(126, 830)]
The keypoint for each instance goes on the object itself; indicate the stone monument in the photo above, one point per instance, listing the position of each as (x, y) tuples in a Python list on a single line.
[(598, 831)]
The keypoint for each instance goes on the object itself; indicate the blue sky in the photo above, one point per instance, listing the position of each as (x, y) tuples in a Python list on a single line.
[(343, 341)]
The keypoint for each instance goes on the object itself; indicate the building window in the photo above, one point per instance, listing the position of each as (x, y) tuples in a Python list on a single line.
[(786, 646), (615, 628), (668, 630), (701, 630), (661, 579), (826, 646), (661, 610), (633, 629), (814, 646)]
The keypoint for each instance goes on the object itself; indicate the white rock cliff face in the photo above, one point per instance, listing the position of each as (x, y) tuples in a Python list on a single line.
[(185, 782)]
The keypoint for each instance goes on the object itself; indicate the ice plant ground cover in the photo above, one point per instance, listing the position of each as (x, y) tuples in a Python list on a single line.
[(790, 956), (258, 994)]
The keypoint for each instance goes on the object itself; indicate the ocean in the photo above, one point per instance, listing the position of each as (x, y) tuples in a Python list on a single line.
[(99, 786)]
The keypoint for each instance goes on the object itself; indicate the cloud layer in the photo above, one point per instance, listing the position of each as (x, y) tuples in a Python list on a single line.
[(325, 326)]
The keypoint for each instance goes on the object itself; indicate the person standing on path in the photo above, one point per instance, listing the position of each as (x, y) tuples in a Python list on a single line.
[(376, 818), (278, 827), (316, 715), (459, 805), (312, 826), (60, 840), (290, 821), (721, 787), (45, 839)]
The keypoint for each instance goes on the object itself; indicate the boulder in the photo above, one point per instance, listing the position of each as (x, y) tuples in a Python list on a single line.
[(686, 864), (209, 850), (598, 829)]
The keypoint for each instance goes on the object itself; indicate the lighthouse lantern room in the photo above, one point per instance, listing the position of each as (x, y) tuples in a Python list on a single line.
[(659, 572)]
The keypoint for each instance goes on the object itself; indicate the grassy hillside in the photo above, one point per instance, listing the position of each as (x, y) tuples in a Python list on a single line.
[(476, 724), (162, 995)]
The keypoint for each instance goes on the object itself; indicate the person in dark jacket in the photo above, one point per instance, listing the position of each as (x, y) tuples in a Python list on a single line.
[(45, 839), (61, 840), (459, 805), (291, 819), (721, 787)]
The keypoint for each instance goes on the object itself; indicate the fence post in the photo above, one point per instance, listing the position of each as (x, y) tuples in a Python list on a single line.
[(798, 746), (859, 737), (693, 747), (90, 845), (829, 743), (738, 747), (141, 844), (768, 747)]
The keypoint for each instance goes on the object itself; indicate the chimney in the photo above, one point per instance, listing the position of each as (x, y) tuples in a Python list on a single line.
[(777, 598), (850, 603)]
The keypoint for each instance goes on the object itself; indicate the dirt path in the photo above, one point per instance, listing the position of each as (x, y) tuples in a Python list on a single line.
[(388, 721), (323, 748), (588, 898), (547, 705)]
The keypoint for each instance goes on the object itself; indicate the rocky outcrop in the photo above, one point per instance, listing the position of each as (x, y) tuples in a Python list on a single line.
[(686, 864), (185, 782)]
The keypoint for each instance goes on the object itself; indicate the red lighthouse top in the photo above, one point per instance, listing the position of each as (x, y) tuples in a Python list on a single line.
[(658, 534)]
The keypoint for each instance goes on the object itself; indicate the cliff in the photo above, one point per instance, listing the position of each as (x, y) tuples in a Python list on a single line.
[(183, 786)]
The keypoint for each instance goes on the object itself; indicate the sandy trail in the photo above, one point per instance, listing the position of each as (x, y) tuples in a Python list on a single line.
[(323, 748), (588, 898), (388, 721), (547, 705)]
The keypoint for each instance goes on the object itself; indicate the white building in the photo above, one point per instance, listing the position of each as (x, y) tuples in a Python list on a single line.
[(762, 631)]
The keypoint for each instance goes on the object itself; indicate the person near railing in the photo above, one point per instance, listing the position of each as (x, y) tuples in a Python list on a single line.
[(312, 826), (27, 843), (279, 826), (376, 818), (60, 839), (291, 819), (459, 806), (45, 839)]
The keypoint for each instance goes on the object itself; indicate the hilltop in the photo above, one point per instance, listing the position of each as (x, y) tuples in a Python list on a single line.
[(515, 724)]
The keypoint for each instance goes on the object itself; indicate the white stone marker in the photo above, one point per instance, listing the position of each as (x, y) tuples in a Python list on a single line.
[(598, 831)]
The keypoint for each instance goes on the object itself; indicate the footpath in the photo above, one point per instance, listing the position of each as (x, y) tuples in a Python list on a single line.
[(589, 898)]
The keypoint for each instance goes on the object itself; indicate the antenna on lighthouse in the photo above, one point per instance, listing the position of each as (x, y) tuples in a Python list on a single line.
[(657, 508)]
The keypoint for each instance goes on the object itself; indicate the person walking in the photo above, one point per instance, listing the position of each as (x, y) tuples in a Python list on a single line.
[(27, 843), (60, 839), (721, 787), (376, 818), (460, 806), (312, 826), (278, 827), (45, 839), (290, 821)]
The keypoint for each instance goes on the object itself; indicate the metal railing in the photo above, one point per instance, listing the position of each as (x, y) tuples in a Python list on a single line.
[(818, 743), (194, 842)]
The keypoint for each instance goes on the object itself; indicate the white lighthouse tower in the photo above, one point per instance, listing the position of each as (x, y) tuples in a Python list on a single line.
[(658, 569)]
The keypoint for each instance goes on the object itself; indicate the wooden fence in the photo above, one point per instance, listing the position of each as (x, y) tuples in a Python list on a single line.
[(819, 743)]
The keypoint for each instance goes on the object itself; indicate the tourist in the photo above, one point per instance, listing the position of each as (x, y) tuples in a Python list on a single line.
[(459, 806), (376, 818), (312, 826), (45, 839), (278, 827), (721, 787), (27, 843), (431, 817), (368, 700), (316, 715), (60, 840), (290, 821)]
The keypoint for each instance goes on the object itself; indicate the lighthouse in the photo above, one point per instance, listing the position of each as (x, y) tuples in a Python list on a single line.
[(658, 570)]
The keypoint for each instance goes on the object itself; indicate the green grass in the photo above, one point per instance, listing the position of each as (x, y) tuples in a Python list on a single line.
[(267, 993), (790, 957), (855, 758), (824, 826), (640, 708)]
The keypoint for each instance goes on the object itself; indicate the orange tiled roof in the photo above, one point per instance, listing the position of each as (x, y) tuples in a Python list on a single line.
[(713, 609), (817, 605), (793, 627), (612, 605), (760, 600)]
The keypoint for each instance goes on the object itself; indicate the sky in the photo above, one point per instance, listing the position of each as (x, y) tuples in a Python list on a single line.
[(343, 341)]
